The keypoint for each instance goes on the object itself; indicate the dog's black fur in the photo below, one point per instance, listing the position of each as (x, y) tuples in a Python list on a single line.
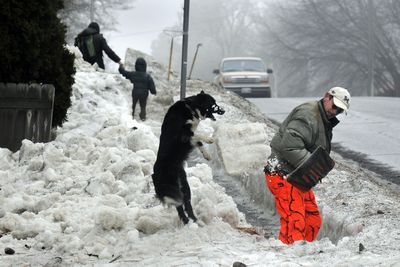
[(177, 140)]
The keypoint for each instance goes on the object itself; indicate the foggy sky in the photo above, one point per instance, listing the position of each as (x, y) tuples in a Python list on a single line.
[(139, 26)]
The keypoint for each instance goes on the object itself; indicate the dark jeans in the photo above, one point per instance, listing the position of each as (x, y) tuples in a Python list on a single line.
[(142, 102)]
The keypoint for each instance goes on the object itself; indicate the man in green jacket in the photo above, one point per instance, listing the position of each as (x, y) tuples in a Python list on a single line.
[(306, 130)]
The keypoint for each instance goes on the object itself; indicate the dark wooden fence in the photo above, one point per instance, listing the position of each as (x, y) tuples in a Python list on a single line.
[(26, 112)]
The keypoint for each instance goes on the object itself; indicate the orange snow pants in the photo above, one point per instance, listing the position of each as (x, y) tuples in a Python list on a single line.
[(300, 218)]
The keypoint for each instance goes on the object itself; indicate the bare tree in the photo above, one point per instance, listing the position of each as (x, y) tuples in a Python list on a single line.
[(224, 28), (227, 23), (332, 40), (76, 14)]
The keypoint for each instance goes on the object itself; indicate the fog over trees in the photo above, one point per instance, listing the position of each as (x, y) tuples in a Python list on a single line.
[(310, 44), (223, 28)]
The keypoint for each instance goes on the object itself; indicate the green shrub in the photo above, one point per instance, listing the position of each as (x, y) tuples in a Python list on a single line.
[(32, 49)]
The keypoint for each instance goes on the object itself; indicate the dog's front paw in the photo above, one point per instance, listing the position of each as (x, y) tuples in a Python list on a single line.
[(206, 155), (208, 140)]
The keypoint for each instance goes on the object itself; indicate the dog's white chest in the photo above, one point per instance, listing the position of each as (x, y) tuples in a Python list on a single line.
[(194, 122)]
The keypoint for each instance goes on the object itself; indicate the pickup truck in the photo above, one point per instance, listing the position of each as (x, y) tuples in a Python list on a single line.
[(245, 76)]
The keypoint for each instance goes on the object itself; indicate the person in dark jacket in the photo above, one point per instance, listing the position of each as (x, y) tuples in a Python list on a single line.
[(142, 84), (92, 44), (307, 128)]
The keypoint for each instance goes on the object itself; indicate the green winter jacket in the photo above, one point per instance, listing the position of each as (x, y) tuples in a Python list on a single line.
[(305, 128)]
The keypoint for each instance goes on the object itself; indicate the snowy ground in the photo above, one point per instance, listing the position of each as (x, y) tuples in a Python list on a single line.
[(86, 198)]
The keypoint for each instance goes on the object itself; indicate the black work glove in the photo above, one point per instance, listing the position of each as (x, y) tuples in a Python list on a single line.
[(316, 167)]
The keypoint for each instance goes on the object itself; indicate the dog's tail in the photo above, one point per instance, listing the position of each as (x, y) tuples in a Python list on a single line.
[(167, 193)]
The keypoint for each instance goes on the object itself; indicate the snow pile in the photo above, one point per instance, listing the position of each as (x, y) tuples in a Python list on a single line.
[(91, 188), (234, 141)]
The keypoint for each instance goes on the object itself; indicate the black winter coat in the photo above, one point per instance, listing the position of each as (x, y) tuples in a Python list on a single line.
[(142, 81), (100, 45)]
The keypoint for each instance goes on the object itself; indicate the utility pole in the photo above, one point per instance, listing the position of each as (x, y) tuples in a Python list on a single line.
[(91, 10), (371, 48), (194, 59), (170, 57), (184, 47), (172, 33)]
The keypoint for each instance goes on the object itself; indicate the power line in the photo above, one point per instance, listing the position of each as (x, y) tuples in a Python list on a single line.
[(135, 33)]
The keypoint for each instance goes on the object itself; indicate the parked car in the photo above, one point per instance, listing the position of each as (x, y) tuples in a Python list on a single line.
[(245, 76)]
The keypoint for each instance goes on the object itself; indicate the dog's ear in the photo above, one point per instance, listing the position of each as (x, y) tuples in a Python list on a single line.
[(202, 92)]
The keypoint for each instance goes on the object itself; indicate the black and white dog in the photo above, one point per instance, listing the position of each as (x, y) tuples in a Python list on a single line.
[(177, 140)]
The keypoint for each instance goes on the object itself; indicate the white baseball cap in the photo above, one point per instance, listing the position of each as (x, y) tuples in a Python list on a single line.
[(341, 97)]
